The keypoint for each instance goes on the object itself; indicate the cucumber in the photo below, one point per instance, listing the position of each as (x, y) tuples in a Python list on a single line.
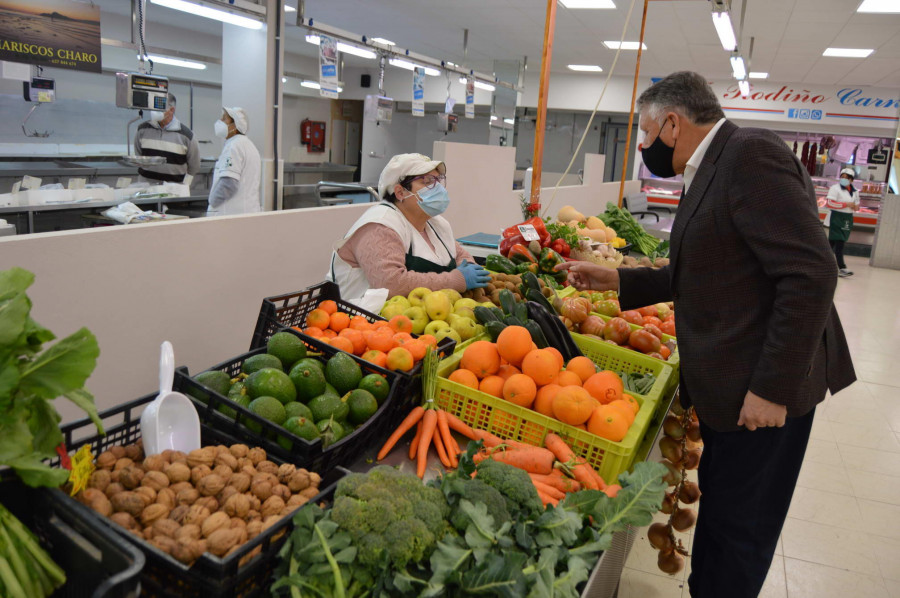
[(539, 298), (522, 311), (531, 282), (513, 321), (494, 328), (508, 302), (485, 315), (537, 335)]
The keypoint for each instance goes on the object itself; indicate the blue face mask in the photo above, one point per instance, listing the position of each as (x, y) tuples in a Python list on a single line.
[(845, 182), (434, 201)]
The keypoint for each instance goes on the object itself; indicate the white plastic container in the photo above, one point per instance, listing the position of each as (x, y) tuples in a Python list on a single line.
[(95, 195), (42, 197)]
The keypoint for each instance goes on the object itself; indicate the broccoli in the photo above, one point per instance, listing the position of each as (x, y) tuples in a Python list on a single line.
[(477, 492), (515, 486), (390, 515)]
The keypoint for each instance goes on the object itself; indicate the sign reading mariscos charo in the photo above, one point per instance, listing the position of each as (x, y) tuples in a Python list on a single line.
[(58, 33)]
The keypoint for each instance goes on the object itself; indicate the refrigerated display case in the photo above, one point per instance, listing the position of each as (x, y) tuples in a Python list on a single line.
[(871, 194), (661, 193)]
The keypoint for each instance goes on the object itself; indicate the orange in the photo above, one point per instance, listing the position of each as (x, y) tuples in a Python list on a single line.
[(339, 321), (573, 405), (481, 358), (416, 347), (607, 422), (343, 343), (379, 324), (543, 403), (635, 406), (328, 306), (582, 366), (567, 378), (401, 323), (429, 340), (399, 358), (605, 386), (533, 347), (360, 323), (382, 341), (376, 357), (464, 377), (507, 370), (514, 343), (559, 356), (329, 333), (402, 337), (313, 331), (541, 366), (356, 337), (318, 318), (520, 390), (492, 385), (665, 351), (625, 409)]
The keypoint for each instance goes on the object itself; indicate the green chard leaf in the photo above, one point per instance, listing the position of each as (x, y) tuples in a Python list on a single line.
[(34, 473), (496, 575), (14, 281), (448, 561), (566, 584), (36, 335), (542, 575), (63, 367), (13, 318), (85, 400), (15, 436), (9, 381), (44, 425), (558, 527), (640, 497)]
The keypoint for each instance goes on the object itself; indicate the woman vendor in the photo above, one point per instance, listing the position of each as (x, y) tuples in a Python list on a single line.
[(403, 242), (843, 201)]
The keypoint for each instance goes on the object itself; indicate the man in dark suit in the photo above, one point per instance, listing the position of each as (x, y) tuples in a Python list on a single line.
[(753, 278)]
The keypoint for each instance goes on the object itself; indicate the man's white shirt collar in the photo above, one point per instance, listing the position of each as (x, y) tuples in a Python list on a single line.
[(693, 164)]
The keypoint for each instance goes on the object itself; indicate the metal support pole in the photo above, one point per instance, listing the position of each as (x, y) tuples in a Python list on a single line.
[(637, 72)]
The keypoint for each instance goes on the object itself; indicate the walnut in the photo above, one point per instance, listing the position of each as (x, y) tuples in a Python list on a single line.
[(210, 485), (129, 502), (122, 463), (249, 470), (106, 460), (178, 513), (153, 513), (167, 498), (134, 452), (310, 492), (270, 521), (188, 532), (281, 490), (239, 450), (267, 467), (223, 540), (113, 489), (240, 482), (261, 490), (315, 479), (224, 472), (256, 455), (179, 457), (196, 514), (227, 459), (205, 456), (255, 503), (199, 472), (117, 451), (253, 529), (188, 496), (297, 500), (154, 463), (272, 506), (164, 543), (156, 480), (214, 522), (176, 488), (299, 481), (100, 479), (131, 476), (124, 519), (253, 515), (237, 522), (166, 527), (147, 533), (97, 501), (166, 456), (147, 494), (285, 472), (265, 477), (209, 502), (237, 505), (226, 493), (185, 552), (178, 472)]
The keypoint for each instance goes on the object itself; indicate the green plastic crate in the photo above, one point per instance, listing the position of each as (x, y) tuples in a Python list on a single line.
[(619, 359), (673, 359)]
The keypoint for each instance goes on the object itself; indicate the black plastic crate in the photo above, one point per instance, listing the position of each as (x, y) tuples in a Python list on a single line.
[(209, 576), (277, 440), (97, 561)]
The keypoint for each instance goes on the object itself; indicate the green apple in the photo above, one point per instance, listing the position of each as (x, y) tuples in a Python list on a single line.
[(392, 309), (465, 302), (479, 329), (417, 296), (465, 312), (447, 332), (465, 327), (434, 326), (452, 295), (488, 304), (419, 319), (438, 306), (399, 299)]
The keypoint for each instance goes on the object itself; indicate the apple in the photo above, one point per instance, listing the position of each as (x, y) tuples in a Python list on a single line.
[(434, 326), (438, 306), (417, 296), (392, 309), (399, 299), (465, 312), (465, 327), (447, 332), (419, 319), (452, 295), (488, 304), (465, 302)]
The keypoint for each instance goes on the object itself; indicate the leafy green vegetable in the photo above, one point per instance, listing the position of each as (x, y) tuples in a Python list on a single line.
[(641, 383), (558, 230), (629, 229), (31, 378), (662, 250), (25, 569)]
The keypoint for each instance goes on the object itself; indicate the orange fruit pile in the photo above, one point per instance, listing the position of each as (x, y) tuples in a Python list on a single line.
[(387, 344), (515, 370)]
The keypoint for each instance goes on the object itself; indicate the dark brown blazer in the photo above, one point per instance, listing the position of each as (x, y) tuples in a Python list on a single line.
[(753, 278)]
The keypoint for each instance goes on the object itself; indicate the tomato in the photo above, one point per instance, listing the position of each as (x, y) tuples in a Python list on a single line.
[(670, 317), (612, 295), (652, 321), (644, 341), (665, 351), (668, 327), (607, 308), (656, 356), (632, 316), (654, 330), (650, 310), (617, 330)]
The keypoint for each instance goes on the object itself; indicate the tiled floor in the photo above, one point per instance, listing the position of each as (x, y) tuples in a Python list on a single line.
[(842, 535)]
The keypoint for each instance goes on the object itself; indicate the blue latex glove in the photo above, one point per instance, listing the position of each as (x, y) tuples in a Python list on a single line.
[(476, 276)]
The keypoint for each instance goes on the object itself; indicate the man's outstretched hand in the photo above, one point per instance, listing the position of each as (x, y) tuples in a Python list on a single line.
[(586, 276)]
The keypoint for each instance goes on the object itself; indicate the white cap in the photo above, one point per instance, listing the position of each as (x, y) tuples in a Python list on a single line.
[(241, 121), (404, 165), (849, 171)]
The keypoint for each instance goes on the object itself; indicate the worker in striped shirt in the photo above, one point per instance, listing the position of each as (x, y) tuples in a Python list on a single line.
[(164, 135)]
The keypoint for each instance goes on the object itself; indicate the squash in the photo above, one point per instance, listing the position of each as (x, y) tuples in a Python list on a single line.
[(567, 213), (610, 235), (595, 223)]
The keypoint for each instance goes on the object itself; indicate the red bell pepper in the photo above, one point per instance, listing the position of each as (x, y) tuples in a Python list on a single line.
[(507, 242), (544, 237), (561, 247), (519, 254)]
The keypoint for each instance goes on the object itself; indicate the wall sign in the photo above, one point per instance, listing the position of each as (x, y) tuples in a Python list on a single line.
[(58, 33), (418, 89), (470, 97), (328, 75)]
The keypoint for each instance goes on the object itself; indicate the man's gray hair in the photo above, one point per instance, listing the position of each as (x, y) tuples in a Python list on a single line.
[(686, 92), (171, 100)]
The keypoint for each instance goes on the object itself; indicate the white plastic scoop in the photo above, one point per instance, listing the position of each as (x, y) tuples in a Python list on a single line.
[(170, 421)]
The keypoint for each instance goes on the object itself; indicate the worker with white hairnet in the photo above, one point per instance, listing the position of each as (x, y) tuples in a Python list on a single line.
[(235, 187)]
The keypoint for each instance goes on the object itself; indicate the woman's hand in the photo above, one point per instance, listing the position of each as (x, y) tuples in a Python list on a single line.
[(476, 276), (586, 276)]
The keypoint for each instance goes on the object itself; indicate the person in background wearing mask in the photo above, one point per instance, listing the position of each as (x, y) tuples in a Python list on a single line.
[(235, 187), (843, 201), (403, 242), (165, 136)]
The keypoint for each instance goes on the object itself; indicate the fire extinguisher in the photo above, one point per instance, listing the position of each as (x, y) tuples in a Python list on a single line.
[(305, 127)]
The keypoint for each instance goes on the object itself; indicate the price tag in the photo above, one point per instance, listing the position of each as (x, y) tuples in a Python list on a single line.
[(77, 183), (82, 468), (31, 182), (44, 96), (16, 186), (529, 233), (122, 182)]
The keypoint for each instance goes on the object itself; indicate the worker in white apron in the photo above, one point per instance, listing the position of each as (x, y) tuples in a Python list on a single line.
[(235, 187), (403, 242), (842, 201)]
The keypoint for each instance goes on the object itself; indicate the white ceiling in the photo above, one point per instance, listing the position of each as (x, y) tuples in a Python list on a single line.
[(790, 35)]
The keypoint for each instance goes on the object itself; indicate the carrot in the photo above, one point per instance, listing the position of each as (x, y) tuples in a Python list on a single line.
[(612, 490), (441, 450), (492, 440), (429, 422), (412, 419), (457, 425), (414, 445), (547, 499), (446, 437), (453, 452), (479, 457), (549, 490), (527, 459), (562, 484), (582, 471)]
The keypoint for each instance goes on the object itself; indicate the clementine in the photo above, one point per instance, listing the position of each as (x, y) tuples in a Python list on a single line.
[(572, 405), (514, 343), (464, 377), (541, 366), (520, 390), (482, 358)]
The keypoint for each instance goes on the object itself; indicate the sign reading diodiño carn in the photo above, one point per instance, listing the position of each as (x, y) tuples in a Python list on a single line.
[(58, 33)]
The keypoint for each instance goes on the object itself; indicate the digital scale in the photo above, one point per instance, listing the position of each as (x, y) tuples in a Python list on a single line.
[(39, 90), (139, 91)]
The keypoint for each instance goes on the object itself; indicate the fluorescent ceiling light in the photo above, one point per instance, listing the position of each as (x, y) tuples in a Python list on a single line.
[(381, 40), (758, 75), (345, 48), (744, 86), (405, 64), (479, 84), (451, 63), (210, 13), (588, 3), (588, 68), (882, 6), (188, 64), (509, 121), (847, 52), (284, 79), (738, 68), (289, 8), (722, 23), (614, 45), (315, 85)]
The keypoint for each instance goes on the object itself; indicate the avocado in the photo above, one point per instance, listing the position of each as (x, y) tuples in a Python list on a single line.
[(287, 347), (215, 381), (258, 362), (272, 383), (343, 373)]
